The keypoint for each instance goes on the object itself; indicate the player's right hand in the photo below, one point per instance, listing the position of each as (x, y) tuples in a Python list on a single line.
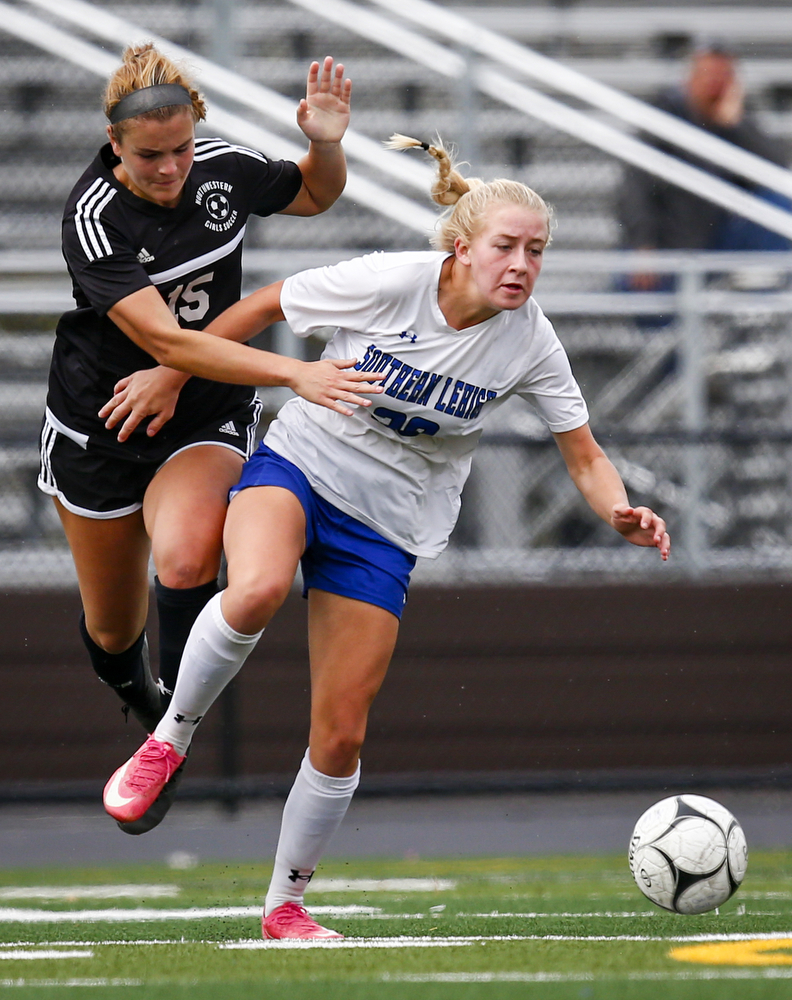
[(330, 383), (152, 392)]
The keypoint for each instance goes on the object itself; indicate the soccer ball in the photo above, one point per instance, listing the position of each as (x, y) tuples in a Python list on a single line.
[(688, 854)]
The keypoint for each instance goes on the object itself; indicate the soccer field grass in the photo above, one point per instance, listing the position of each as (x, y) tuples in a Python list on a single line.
[(549, 928)]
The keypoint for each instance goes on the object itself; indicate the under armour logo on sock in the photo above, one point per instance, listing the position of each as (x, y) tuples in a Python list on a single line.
[(297, 877), (183, 718)]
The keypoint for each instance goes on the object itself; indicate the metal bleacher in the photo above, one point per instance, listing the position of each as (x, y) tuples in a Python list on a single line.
[(533, 524)]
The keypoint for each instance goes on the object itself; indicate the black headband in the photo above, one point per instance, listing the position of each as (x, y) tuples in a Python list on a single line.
[(139, 102)]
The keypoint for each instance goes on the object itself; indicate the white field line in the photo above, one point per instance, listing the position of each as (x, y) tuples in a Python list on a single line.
[(488, 977), (583, 977), (25, 916), (69, 983), (549, 916), (89, 892), (116, 915), (765, 895), (462, 941), (405, 941), (692, 938), (381, 885), (36, 953), (101, 944), (340, 944)]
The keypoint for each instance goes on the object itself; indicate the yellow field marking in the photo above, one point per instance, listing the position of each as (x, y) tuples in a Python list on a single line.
[(761, 952)]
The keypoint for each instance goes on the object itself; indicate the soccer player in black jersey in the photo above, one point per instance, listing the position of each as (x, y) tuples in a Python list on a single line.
[(152, 236)]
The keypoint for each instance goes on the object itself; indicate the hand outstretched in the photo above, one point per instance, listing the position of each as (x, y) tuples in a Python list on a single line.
[(323, 114), (331, 384), (641, 526)]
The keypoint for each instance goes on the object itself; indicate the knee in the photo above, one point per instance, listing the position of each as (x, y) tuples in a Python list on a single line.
[(184, 573), (336, 752), (248, 605), (114, 640), (182, 564)]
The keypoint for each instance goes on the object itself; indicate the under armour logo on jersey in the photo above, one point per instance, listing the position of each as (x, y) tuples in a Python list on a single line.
[(144, 257), (228, 428), (296, 876), (178, 717), (406, 335)]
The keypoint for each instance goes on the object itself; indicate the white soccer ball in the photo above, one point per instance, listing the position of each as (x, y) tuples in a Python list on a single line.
[(688, 854)]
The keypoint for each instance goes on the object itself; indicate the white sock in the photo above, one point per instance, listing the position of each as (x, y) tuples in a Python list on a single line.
[(313, 812), (212, 657)]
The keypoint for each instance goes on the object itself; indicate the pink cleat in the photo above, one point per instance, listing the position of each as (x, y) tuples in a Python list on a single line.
[(290, 920), (136, 784)]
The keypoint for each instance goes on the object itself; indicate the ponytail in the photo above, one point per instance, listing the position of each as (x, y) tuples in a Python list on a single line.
[(467, 198)]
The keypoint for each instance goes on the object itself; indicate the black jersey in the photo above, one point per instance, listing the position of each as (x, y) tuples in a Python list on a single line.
[(116, 243)]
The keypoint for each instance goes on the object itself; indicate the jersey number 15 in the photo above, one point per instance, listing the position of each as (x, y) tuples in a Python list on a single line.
[(189, 302)]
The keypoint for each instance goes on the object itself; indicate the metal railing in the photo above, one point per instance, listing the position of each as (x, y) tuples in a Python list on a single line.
[(474, 42), (471, 40), (231, 86)]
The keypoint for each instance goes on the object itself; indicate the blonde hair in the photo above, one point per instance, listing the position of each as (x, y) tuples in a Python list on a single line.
[(144, 66), (468, 198)]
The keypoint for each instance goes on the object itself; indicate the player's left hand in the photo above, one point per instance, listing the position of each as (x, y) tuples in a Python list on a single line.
[(323, 114), (641, 526), (152, 392)]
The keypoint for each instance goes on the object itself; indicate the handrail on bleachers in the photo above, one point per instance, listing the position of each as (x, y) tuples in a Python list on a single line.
[(583, 126), (476, 39), (554, 74), (374, 196)]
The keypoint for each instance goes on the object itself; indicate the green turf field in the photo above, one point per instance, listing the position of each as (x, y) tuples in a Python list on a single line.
[(551, 929)]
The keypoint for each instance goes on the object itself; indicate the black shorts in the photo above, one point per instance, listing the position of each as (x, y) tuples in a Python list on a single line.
[(103, 483)]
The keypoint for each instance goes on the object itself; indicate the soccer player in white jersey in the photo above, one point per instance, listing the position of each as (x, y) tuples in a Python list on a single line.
[(355, 494), (152, 235)]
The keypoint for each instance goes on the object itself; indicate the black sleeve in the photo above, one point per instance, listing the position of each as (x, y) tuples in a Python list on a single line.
[(272, 185), (101, 262)]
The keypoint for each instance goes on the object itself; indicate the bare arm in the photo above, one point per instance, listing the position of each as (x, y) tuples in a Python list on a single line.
[(323, 115), (154, 392), (244, 319), (597, 479), (146, 320)]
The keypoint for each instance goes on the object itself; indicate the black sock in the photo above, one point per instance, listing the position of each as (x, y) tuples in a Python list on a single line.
[(115, 669), (177, 610)]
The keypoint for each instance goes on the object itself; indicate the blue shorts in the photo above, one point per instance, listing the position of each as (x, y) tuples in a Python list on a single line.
[(342, 555)]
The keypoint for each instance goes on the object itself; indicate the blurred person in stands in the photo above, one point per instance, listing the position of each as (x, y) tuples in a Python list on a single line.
[(152, 236), (657, 215), (356, 495)]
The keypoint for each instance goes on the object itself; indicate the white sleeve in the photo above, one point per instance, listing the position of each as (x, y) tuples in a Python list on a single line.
[(551, 387), (344, 294)]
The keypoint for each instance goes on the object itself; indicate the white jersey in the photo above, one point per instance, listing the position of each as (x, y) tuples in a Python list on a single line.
[(399, 465)]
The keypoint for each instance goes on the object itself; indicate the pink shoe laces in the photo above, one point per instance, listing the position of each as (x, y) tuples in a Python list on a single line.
[(291, 915), (153, 756)]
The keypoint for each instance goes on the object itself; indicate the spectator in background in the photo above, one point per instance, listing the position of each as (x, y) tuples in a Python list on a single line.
[(656, 215)]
